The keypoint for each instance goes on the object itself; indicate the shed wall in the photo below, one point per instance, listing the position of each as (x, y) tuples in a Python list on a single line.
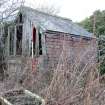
[(74, 45)]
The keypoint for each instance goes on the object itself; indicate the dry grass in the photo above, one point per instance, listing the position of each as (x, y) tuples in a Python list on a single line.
[(75, 81)]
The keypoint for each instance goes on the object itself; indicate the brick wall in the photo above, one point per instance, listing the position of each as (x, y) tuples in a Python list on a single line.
[(76, 46)]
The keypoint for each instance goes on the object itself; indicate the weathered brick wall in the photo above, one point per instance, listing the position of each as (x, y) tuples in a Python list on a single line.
[(54, 46)]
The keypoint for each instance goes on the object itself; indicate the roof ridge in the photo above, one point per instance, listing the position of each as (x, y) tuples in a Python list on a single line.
[(56, 16)]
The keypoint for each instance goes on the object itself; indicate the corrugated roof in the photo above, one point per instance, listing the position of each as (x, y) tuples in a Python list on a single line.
[(54, 23)]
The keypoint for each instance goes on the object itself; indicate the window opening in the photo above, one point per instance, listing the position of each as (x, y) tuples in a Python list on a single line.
[(11, 48), (20, 18), (34, 39), (19, 40), (40, 44)]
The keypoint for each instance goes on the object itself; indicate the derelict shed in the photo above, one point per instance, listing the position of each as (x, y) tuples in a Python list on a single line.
[(31, 26), (38, 35)]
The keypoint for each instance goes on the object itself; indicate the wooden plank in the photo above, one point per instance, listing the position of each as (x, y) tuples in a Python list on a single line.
[(4, 101), (15, 93), (15, 38), (35, 95)]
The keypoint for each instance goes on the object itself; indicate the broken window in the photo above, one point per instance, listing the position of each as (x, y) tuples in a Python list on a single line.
[(15, 37), (40, 44), (34, 40), (11, 46), (19, 32), (19, 19), (34, 44)]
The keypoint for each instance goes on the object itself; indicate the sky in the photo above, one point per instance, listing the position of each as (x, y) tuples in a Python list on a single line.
[(76, 10)]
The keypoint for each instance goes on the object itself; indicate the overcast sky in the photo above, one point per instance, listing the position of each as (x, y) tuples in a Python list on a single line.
[(76, 10)]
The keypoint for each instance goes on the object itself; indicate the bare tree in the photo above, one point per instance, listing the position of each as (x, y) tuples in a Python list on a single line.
[(45, 6), (49, 9), (8, 7)]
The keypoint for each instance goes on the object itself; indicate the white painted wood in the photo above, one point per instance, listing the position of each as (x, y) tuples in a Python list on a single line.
[(5, 102), (37, 41), (32, 50), (27, 92), (34, 95), (8, 41), (23, 39), (15, 38), (44, 49), (27, 35)]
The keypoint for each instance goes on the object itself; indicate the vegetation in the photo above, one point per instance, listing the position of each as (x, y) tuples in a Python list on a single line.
[(99, 22), (99, 32), (75, 80), (72, 82)]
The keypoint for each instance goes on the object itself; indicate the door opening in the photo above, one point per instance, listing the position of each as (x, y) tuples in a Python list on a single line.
[(34, 40)]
